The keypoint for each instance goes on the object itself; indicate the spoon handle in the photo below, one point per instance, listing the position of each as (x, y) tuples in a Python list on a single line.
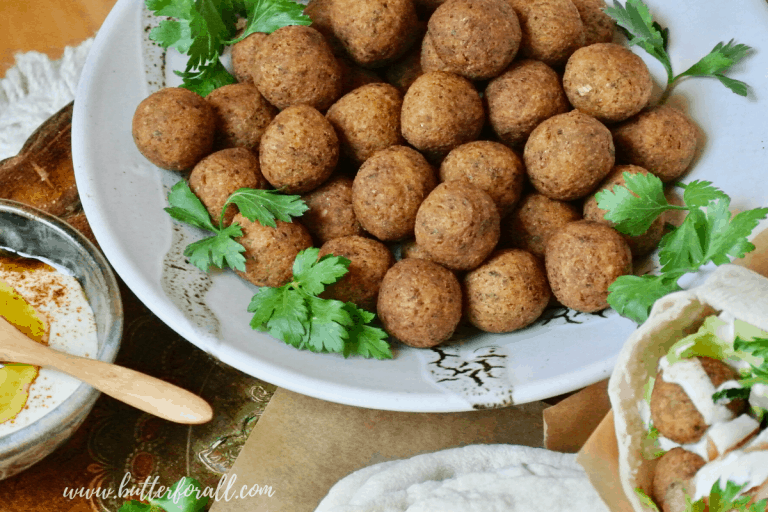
[(146, 393)]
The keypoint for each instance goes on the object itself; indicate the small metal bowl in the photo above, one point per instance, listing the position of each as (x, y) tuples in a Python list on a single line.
[(29, 231)]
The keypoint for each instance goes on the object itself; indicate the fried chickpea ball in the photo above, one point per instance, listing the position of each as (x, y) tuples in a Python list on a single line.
[(388, 189), (507, 292), (583, 259), (661, 139), (441, 111), (174, 128), (420, 302), (673, 412), (490, 166), (330, 214), (319, 11), (269, 252), (677, 466), (369, 261), (568, 155), (519, 99), (476, 38), (220, 174), (375, 32), (430, 60), (367, 120), (296, 66), (640, 244), (353, 76), (299, 149), (551, 29), (607, 81), (458, 225), (535, 219), (242, 115), (405, 71), (598, 26), (245, 57)]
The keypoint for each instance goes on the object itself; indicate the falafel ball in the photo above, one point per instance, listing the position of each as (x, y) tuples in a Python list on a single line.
[(607, 81), (676, 466), (242, 115), (661, 139), (245, 57), (269, 252), (367, 120), (375, 32), (174, 128), (519, 99), (330, 214), (598, 26), (430, 60), (476, 38), (458, 225), (388, 189), (441, 111), (420, 302), (490, 166), (640, 244), (583, 259), (507, 292), (218, 175), (551, 29), (299, 149), (296, 66), (568, 155), (369, 261), (673, 412), (534, 220)]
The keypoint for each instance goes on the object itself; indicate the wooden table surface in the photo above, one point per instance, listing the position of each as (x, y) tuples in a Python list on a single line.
[(47, 26)]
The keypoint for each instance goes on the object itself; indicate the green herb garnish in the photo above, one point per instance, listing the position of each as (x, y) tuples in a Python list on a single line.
[(708, 234), (295, 314), (202, 28), (641, 30), (726, 500), (220, 250), (183, 496)]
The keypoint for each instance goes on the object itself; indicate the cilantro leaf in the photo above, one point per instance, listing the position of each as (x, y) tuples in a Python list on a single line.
[(725, 500), (174, 33), (264, 206), (218, 250), (681, 249), (731, 394), (186, 207), (726, 236), (364, 339), (314, 274), (328, 321), (270, 15), (736, 86), (722, 57), (285, 311), (646, 500), (700, 193), (634, 206), (633, 296), (182, 497), (204, 81)]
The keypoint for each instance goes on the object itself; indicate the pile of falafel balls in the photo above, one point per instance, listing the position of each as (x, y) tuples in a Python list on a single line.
[(474, 133)]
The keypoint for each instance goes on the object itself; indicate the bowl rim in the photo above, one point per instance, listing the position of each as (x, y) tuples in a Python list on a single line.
[(53, 421)]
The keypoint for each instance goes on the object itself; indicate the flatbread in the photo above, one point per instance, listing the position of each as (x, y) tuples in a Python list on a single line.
[(731, 288)]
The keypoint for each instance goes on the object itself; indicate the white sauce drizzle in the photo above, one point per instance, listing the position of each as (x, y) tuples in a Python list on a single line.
[(738, 467), (758, 397), (727, 435)]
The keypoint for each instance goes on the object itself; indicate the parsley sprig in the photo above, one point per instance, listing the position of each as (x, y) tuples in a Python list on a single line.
[(202, 28), (295, 314), (726, 500), (641, 30), (709, 233), (181, 497), (221, 249)]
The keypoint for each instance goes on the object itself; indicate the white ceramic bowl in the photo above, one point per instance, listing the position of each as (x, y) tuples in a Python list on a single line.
[(29, 231)]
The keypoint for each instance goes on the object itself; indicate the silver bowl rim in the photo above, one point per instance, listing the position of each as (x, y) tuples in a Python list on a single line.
[(52, 421)]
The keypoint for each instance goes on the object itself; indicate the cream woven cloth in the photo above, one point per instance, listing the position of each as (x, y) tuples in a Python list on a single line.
[(35, 89)]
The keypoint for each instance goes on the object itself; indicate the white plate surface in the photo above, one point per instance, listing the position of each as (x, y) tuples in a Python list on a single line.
[(124, 196)]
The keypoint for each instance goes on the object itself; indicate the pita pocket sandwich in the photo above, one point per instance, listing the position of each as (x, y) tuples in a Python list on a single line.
[(690, 399)]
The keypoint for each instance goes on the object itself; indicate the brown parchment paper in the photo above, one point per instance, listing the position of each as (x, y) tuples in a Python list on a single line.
[(302, 446)]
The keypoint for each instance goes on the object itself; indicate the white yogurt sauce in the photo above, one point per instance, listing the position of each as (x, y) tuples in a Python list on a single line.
[(727, 435), (738, 467), (60, 299), (689, 374)]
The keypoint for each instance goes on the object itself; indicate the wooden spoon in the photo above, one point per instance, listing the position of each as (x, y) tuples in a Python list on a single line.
[(137, 389)]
